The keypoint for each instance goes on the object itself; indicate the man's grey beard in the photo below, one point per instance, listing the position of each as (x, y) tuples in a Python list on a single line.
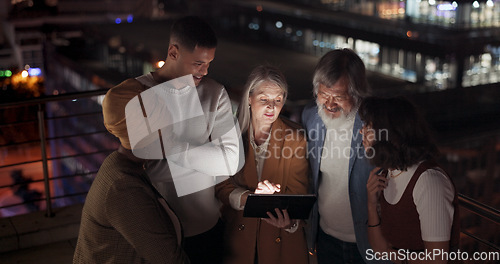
[(336, 122)]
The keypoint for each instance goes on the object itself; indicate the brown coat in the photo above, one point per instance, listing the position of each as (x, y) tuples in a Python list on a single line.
[(286, 165), (123, 220)]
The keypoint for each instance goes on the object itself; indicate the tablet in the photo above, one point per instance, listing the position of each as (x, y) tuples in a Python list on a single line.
[(298, 206)]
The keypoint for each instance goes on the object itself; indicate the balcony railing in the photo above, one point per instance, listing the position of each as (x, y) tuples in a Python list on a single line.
[(26, 144), (62, 142)]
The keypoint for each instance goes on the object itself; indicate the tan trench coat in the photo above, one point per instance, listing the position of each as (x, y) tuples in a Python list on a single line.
[(286, 165)]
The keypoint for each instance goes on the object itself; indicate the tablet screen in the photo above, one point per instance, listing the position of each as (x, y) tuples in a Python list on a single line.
[(298, 206)]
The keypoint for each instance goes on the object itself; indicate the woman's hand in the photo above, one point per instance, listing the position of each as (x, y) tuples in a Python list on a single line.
[(266, 187), (375, 184), (281, 221)]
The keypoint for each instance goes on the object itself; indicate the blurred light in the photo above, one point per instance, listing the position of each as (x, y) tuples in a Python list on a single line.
[(315, 42), (34, 71), (159, 64), (490, 3), (475, 4), (118, 20), (26, 67), (446, 7), (6, 73), (253, 26), (288, 30), (432, 2), (130, 18), (408, 33), (298, 33), (74, 100), (454, 4), (279, 24), (259, 8), (114, 42), (24, 74)]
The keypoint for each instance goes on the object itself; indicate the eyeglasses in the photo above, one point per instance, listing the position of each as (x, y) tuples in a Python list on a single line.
[(329, 97)]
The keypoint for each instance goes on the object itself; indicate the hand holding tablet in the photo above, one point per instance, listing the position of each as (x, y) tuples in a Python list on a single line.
[(297, 206)]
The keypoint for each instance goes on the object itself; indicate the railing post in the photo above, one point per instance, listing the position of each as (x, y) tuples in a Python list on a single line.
[(43, 146)]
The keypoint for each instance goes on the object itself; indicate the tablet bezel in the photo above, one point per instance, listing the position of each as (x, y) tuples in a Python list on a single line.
[(298, 205)]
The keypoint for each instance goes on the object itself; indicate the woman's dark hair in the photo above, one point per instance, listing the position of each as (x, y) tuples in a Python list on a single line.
[(402, 136)]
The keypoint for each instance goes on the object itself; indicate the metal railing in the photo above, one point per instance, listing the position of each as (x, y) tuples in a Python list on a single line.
[(43, 139), (485, 212), (482, 210)]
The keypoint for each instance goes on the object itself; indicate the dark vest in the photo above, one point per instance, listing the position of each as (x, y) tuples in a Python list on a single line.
[(401, 223)]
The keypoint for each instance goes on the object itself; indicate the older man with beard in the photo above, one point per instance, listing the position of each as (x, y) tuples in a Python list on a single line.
[(339, 167)]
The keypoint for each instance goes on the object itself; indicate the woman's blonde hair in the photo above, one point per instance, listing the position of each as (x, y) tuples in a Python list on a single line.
[(259, 75)]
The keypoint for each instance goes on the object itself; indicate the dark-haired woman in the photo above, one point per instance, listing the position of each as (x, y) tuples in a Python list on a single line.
[(418, 202)]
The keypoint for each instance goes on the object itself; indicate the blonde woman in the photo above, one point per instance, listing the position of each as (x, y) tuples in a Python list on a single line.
[(275, 162)]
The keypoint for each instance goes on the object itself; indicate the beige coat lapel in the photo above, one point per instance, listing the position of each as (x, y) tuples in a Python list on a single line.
[(272, 170), (250, 169)]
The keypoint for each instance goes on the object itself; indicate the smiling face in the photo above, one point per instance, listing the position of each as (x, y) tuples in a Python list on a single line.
[(266, 102), (195, 62), (335, 100)]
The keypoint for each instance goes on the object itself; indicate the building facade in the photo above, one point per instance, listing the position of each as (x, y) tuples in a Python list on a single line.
[(435, 44)]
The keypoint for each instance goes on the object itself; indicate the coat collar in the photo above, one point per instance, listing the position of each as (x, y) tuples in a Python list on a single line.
[(271, 163), (357, 149)]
